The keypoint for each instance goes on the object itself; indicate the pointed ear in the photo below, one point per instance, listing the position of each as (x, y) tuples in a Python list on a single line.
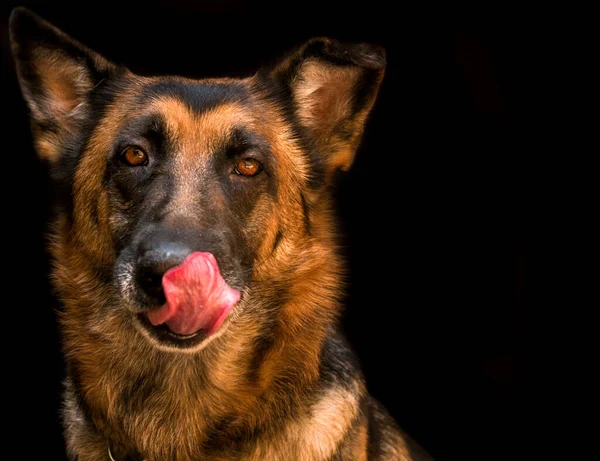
[(57, 75), (333, 87)]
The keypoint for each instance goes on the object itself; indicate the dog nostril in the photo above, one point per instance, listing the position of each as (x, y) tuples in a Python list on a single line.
[(153, 280), (150, 279), (151, 283), (152, 265)]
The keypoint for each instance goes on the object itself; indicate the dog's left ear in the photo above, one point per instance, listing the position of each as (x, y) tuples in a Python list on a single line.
[(332, 87), (57, 75)]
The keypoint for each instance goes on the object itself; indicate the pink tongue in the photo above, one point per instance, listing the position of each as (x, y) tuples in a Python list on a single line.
[(197, 296)]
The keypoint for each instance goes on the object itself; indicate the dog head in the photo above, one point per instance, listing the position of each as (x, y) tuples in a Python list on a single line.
[(171, 183)]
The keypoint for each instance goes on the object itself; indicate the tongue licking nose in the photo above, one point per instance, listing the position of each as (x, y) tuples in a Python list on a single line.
[(197, 297)]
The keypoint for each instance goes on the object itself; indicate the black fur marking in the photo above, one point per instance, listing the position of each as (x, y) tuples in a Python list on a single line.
[(151, 129), (95, 215), (270, 329), (306, 214), (262, 347), (198, 97), (136, 391), (277, 242), (241, 140), (338, 366), (220, 437), (225, 437), (375, 440), (318, 166), (345, 54), (120, 453)]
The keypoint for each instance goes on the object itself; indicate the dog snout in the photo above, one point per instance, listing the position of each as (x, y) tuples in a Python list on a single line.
[(153, 261)]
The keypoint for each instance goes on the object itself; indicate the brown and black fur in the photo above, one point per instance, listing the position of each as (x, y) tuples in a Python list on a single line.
[(277, 382)]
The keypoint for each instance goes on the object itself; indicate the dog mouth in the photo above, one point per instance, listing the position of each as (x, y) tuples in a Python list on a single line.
[(164, 335), (197, 302)]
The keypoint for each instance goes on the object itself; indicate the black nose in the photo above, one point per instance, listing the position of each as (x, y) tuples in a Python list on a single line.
[(152, 265)]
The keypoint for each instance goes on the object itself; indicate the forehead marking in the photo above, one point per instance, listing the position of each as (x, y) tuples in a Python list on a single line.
[(193, 134)]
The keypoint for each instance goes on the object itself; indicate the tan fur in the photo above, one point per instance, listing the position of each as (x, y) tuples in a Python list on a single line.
[(323, 94), (317, 434)]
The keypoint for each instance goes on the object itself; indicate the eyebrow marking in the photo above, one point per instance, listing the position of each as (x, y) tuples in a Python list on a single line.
[(150, 126), (178, 120), (240, 139)]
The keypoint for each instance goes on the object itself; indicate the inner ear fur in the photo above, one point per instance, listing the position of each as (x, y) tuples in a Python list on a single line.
[(333, 86)]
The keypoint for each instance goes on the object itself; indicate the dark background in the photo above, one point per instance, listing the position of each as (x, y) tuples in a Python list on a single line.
[(434, 212)]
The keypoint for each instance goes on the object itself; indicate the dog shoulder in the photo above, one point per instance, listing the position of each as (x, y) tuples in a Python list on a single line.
[(369, 433), (327, 416), (386, 440)]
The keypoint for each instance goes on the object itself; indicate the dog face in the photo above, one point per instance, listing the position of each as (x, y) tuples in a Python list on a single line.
[(155, 170), (187, 177)]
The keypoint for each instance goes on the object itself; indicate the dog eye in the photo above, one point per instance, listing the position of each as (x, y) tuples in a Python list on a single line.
[(248, 167), (134, 156)]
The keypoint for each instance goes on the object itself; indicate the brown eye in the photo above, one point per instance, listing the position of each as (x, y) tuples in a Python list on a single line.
[(134, 156), (248, 167)]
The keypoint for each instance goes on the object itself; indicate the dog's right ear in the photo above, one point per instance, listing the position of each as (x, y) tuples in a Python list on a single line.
[(57, 75)]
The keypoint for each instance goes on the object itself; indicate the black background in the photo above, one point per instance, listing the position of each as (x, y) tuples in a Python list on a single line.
[(434, 212)]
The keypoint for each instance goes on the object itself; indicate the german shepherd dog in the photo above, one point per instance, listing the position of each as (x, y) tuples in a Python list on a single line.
[(195, 254)]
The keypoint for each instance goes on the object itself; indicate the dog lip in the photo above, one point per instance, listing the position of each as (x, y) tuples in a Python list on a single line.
[(177, 335), (163, 334)]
